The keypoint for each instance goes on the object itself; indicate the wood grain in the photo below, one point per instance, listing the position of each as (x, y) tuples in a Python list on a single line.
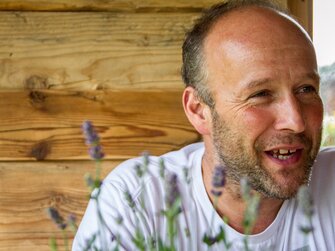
[(27, 189), (115, 5), (114, 62), (46, 125), (303, 11), (89, 51)]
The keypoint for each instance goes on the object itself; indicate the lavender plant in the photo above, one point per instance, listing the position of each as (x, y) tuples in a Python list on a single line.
[(63, 225), (218, 182), (305, 202), (172, 210), (94, 184), (250, 215), (95, 152)]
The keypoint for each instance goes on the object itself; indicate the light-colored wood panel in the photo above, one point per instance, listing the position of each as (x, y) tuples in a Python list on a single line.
[(85, 51), (116, 5), (47, 124), (39, 241), (27, 189)]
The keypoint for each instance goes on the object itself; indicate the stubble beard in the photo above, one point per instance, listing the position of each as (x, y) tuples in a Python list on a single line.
[(241, 162)]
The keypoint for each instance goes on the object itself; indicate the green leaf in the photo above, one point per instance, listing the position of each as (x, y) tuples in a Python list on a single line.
[(139, 240)]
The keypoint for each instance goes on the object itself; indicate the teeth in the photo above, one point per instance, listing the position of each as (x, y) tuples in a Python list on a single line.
[(283, 154), (282, 157), (283, 151)]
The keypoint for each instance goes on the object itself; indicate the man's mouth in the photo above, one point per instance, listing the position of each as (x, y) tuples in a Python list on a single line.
[(285, 154)]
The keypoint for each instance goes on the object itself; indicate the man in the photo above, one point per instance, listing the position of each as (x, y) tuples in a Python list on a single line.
[(252, 92)]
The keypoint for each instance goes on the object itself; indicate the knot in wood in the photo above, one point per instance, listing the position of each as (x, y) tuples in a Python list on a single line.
[(37, 97), (40, 150), (36, 82)]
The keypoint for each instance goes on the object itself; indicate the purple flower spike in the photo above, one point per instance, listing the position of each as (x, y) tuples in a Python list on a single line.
[(72, 219), (90, 134), (172, 190), (56, 217), (216, 193), (218, 180), (219, 177), (96, 152), (92, 139)]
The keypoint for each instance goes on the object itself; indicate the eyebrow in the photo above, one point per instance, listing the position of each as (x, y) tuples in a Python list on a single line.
[(256, 83), (314, 75), (259, 82)]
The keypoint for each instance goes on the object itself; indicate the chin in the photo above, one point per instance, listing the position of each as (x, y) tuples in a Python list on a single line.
[(284, 187)]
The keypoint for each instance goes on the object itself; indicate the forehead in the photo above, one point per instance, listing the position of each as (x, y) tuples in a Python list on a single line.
[(256, 24), (257, 39)]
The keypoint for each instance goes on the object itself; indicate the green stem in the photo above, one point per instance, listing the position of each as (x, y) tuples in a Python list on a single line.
[(211, 230), (171, 231), (66, 240), (98, 169), (246, 244), (216, 199)]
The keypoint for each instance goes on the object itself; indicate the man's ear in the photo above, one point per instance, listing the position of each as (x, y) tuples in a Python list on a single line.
[(197, 112)]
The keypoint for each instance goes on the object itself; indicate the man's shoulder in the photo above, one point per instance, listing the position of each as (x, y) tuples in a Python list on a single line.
[(174, 161), (183, 156), (325, 162), (324, 169), (326, 155)]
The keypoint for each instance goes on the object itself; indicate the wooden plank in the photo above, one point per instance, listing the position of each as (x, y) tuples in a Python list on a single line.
[(303, 11), (283, 3), (89, 51), (46, 125), (96, 5), (39, 241), (27, 189)]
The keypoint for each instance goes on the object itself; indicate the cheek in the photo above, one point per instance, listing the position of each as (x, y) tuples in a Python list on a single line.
[(315, 116), (255, 121)]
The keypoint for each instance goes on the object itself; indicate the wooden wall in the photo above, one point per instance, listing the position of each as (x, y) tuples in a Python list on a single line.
[(303, 10), (64, 61)]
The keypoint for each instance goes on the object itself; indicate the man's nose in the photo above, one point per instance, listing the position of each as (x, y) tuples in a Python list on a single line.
[(290, 115)]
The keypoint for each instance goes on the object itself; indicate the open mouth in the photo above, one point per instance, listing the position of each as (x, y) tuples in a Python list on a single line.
[(284, 154)]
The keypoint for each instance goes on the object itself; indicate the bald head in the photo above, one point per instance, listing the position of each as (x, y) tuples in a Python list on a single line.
[(239, 23), (253, 35), (257, 25)]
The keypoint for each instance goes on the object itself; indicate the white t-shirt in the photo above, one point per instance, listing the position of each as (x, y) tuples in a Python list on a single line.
[(198, 214)]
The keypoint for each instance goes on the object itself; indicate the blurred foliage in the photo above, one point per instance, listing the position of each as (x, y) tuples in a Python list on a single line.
[(327, 75), (328, 138)]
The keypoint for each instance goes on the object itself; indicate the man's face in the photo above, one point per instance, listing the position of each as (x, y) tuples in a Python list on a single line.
[(266, 123)]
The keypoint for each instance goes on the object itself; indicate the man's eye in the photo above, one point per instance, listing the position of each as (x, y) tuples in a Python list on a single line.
[(308, 89), (260, 94)]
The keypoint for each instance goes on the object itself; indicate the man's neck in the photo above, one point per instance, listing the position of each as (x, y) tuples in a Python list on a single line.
[(232, 206)]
